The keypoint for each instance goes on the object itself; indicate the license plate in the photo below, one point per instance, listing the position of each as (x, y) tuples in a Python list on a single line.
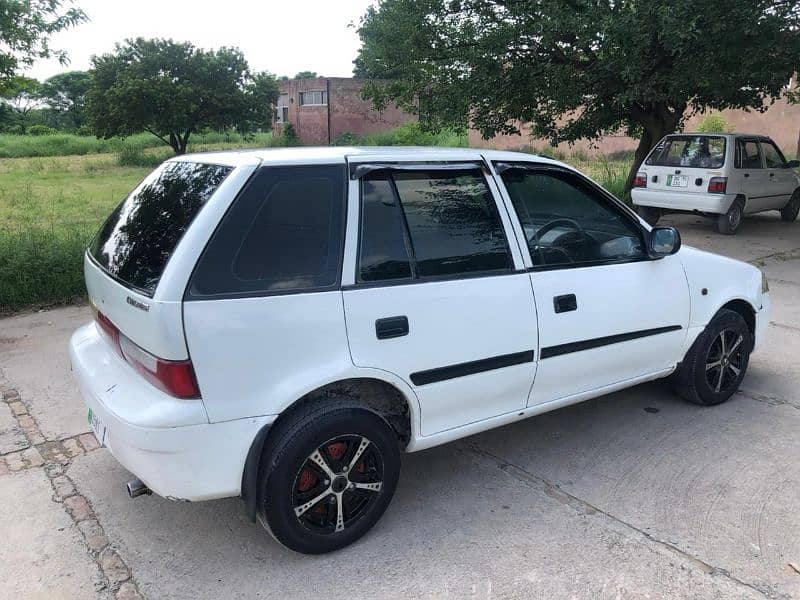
[(677, 180), (98, 427)]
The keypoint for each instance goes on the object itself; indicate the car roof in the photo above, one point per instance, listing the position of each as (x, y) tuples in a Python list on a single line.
[(358, 154), (734, 134)]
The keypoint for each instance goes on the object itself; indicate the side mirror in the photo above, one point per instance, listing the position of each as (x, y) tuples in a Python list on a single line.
[(792, 164), (664, 241)]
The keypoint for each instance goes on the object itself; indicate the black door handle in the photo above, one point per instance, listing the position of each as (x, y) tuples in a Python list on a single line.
[(747, 174), (565, 303), (391, 327)]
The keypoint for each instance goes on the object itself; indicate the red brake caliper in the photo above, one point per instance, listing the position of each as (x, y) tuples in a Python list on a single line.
[(337, 450)]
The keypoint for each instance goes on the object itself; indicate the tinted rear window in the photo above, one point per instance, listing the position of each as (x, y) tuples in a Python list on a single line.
[(693, 151), (284, 233), (139, 237)]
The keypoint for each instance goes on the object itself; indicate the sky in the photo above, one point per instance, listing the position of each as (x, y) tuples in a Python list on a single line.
[(283, 37)]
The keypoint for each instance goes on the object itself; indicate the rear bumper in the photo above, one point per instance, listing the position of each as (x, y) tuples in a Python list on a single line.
[(686, 201), (166, 442)]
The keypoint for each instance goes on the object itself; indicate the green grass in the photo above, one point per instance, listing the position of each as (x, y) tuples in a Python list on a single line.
[(50, 207)]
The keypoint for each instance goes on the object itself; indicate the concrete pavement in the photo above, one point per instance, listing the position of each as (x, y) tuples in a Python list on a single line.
[(633, 495)]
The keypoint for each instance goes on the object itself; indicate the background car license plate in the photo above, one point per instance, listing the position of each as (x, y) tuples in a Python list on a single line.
[(677, 180), (98, 427)]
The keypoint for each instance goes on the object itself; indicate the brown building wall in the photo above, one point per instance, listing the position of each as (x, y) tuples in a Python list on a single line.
[(345, 112), (781, 122)]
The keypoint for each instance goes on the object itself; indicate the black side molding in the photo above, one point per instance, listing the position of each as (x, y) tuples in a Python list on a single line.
[(552, 351), (470, 368)]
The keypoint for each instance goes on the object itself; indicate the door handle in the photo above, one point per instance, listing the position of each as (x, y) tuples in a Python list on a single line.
[(391, 327), (747, 174), (772, 174), (565, 303)]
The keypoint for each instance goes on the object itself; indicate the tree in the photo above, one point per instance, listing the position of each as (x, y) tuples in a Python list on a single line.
[(22, 95), (25, 30), (574, 69), (306, 75), (172, 89), (65, 94)]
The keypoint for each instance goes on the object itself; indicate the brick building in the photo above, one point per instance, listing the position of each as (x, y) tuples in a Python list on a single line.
[(324, 108)]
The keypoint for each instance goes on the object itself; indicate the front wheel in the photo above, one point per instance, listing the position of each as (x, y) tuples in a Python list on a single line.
[(329, 478), (715, 365), (790, 211)]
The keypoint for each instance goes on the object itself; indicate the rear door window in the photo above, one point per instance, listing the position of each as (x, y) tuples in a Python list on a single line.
[(424, 224), (693, 151), (284, 233), (141, 234), (750, 154)]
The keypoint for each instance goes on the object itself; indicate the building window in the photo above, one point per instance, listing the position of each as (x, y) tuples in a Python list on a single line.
[(282, 109), (315, 98)]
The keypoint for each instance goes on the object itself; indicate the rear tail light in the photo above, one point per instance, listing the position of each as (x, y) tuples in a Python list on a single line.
[(641, 180), (175, 377), (717, 185)]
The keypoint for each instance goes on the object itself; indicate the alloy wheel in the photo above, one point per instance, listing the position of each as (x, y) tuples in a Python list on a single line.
[(724, 360), (337, 484)]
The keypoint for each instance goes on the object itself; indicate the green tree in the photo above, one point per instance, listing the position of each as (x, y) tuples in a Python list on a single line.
[(714, 123), (306, 75), (25, 30), (576, 69), (22, 95), (65, 94), (171, 90)]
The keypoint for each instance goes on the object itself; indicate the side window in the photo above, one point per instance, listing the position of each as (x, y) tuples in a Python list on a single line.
[(751, 155), (429, 224), (772, 156), (566, 221), (283, 233)]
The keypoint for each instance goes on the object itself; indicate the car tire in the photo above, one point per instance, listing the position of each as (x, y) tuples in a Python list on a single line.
[(312, 507), (650, 214), (790, 211), (715, 365), (728, 223)]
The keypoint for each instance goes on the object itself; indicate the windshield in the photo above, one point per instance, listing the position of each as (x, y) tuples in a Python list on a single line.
[(139, 237), (699, 151)]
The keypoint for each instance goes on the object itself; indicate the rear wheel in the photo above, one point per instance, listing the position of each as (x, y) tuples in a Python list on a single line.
[(329, 478), (728, 224), (790, 211), (650, 214), (715, 365)]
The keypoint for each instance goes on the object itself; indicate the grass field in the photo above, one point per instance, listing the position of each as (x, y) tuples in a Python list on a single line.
[(51, 207)]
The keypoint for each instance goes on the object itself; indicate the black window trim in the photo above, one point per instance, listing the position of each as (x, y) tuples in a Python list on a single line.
[(188, 296), (415, 277), (755, 140), (766, 140), (617, 205)]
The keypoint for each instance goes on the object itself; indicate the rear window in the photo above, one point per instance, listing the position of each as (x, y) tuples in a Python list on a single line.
[(141, 234), (284, 233), (698, 151)]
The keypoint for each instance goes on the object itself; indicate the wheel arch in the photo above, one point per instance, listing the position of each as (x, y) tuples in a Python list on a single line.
[(745, 309), (383, 397)]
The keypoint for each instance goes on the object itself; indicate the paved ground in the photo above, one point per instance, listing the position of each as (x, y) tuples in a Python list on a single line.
[(600, 500)]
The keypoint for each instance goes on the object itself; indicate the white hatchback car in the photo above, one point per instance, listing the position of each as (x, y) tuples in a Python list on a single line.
[(280, 324), (722, 175)]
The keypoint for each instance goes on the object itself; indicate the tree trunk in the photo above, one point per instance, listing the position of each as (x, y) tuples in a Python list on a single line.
[(655, 124), (645, 145)]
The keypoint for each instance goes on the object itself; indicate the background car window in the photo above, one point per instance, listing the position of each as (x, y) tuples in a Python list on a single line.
[(751, 155), (383, 250), (429, 224), (284, 232), (698, 151), (772, 156), (567, 222), (453, 223)]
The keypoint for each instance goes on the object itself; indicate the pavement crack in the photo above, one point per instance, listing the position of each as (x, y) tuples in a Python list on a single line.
[(772, 400), (54, 456), (612, 522)]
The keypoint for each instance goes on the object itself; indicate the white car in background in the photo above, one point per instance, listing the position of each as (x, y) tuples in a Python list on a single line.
[(725, 176), (282, 324)]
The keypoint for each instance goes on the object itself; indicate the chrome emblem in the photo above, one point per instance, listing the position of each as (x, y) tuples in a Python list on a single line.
[(139, 305)]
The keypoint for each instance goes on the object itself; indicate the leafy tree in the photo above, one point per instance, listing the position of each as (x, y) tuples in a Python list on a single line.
[(172, 90), (306, 75), (22, 95), (25, 30), (65, 94), (714, 123), (575, 69)]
